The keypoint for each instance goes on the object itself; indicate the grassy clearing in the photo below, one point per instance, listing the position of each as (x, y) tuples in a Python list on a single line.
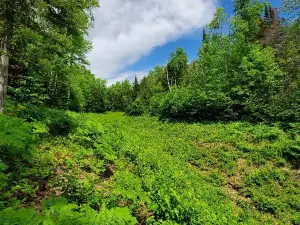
[(137, 170)]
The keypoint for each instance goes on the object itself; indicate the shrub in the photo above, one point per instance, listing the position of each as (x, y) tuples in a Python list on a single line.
[(191, 104), (87, 132), (15, 138), (137, 108), (58, 122)]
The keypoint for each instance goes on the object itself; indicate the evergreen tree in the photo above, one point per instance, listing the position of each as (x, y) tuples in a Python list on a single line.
[(135, 88), (267, 14), (204, 35)]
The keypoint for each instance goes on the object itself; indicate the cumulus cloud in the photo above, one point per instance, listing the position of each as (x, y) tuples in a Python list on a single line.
[(130, 75), (126, 30)]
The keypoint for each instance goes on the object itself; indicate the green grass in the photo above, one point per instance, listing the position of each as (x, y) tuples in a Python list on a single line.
[(150, 172)]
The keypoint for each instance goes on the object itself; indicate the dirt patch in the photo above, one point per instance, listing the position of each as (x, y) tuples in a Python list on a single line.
[(214, 145), (109, 171), (234, 183), (143, 214), (44, 193)]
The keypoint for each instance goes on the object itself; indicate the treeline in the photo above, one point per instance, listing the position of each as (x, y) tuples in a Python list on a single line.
[(248, 68)]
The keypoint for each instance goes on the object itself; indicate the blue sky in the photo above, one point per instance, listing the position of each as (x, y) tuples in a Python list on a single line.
[(190, 42), (131, 37)]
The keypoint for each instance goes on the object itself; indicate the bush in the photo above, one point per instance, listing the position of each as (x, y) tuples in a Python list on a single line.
[(58, 122), (137, 108), (15, 138), (87, 132), (292, 153), (191, 104)]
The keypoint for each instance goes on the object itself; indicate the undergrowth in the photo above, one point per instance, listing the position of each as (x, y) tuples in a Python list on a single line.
[(65, 168)]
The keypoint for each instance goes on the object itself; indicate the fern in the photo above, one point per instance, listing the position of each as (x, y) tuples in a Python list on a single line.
[(15, 137), (72, 214), (10, 216), (67, 214), (117, 216)]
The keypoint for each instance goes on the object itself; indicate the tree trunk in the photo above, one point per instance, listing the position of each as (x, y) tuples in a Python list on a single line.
[(5, 49), (169, 86), (4, 63)]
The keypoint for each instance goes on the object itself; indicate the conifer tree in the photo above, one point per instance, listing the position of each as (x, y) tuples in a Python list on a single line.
[(135, 87)]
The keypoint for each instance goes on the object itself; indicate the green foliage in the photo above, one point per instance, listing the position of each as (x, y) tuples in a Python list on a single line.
[(47, 52), (87, 133), (15, 138), (62, 167), (176, 68), (219, 19), (291, 6), (22, 216), (250, 73), (137, 108), (257, 83), (105, 172), (186, 103), (135, 88), (246, 20), (30, 90), (62, 213), (120, 96), (98, 98), (57, 122)]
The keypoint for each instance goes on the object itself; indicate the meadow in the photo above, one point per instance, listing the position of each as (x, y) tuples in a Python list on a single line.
[(69, 168), (207, 140)]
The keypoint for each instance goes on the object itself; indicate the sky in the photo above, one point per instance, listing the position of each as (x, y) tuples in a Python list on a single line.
[(131, 37)]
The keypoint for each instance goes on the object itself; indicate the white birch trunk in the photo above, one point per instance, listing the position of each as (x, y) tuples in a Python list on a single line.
[(4, 63)]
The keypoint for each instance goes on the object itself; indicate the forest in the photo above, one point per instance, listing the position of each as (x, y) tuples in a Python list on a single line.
[(215, 140)]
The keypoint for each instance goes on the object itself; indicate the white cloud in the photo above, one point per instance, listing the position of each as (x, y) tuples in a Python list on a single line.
[(127, 75), (126, 30)]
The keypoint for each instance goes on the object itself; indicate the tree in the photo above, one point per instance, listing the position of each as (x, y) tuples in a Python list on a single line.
[(120, 95), (12, 12), (135, 88), (97, 101), (218, 20), (60, 27), (288, 53), (258, 80), (177, 67), (267, 14), (152, 84), (204, 35), (246, 22), (292, 7)]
